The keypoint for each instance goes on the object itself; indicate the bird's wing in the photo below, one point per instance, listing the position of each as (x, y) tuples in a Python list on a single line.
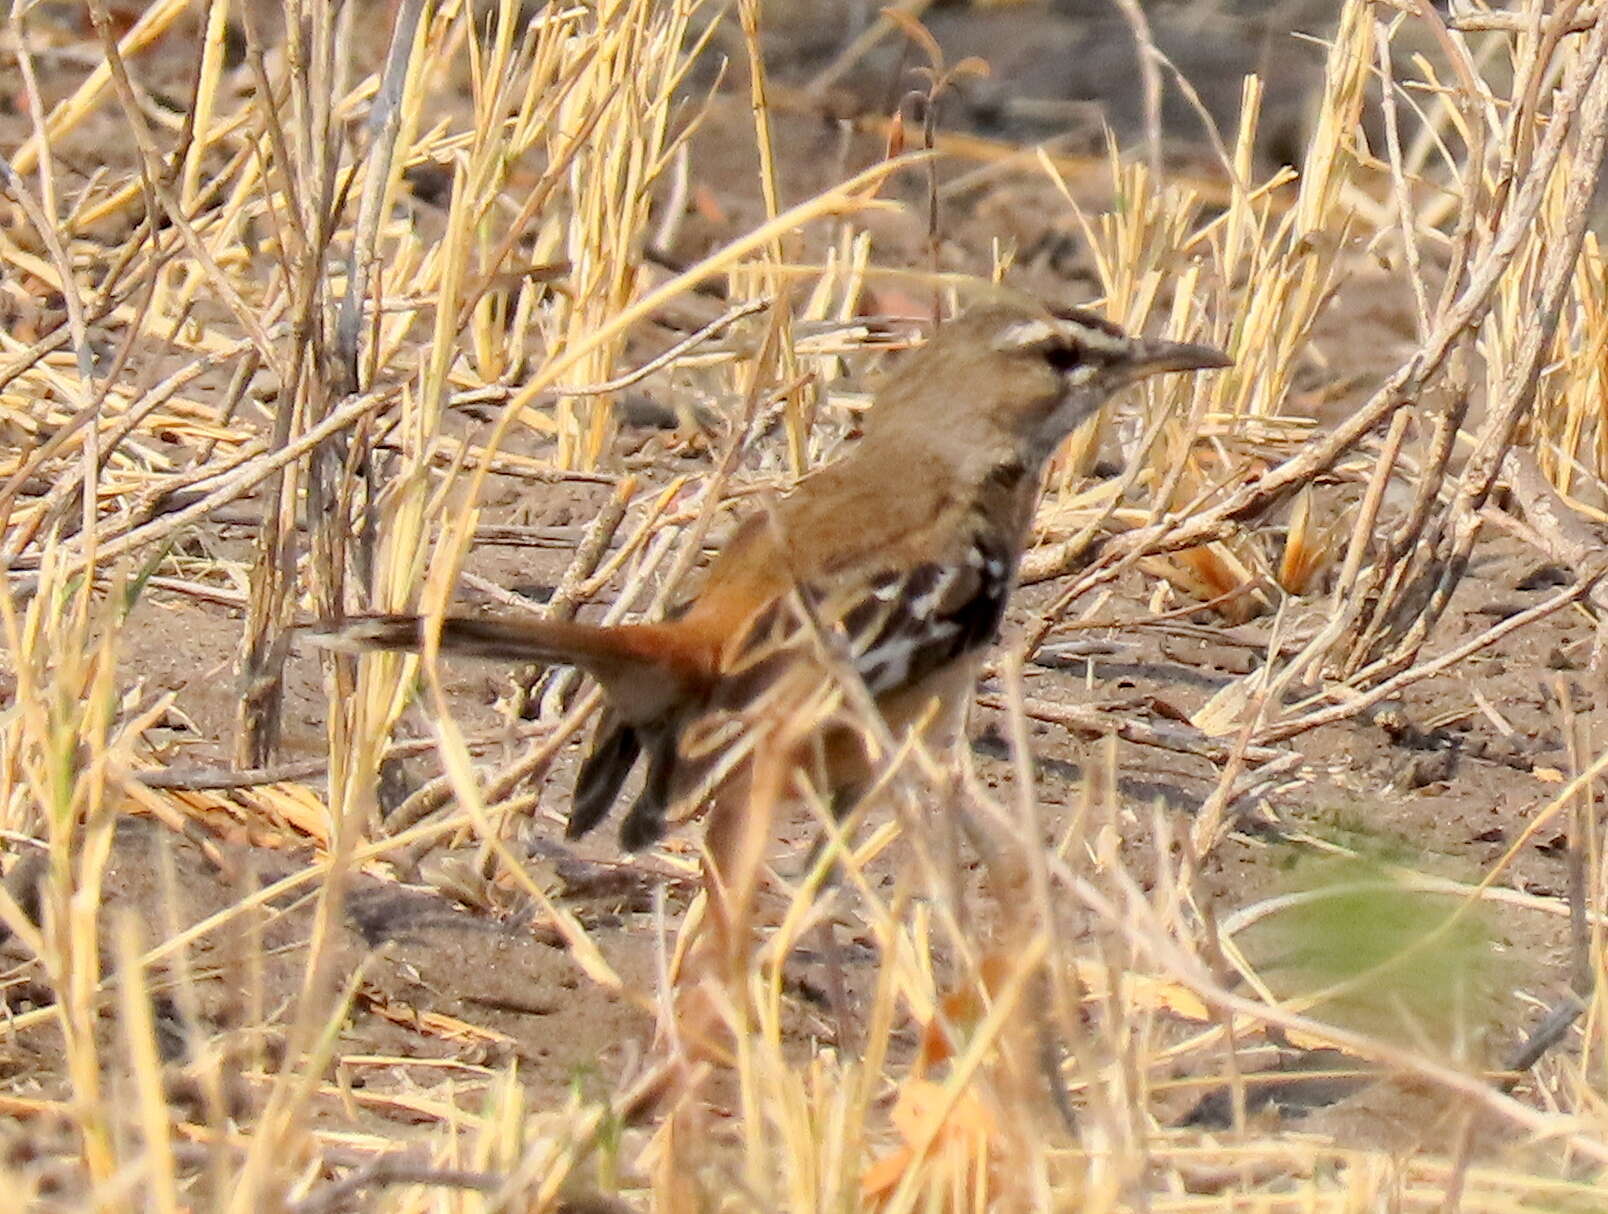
[(893, 596)]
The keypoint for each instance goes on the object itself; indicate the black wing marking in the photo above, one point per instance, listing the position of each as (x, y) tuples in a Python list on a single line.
[(645, 820), (614, 753), (909, 625), (899, 626), (615, 747)]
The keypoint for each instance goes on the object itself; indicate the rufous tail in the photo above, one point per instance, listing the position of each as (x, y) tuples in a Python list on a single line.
[(627, 659)]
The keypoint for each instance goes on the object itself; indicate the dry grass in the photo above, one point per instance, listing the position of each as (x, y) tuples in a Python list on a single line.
[(240, 307)]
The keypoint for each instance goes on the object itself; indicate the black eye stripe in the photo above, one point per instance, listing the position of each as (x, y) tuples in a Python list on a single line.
[(1064, 357)]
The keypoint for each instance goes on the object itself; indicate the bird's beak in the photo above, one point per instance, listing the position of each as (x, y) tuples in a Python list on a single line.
[(1152, 356)]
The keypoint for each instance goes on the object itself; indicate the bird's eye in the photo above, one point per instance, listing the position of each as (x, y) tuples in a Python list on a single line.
[(1064, 356)]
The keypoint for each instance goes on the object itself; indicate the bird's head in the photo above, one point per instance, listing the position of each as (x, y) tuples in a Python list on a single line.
[(1023, 376)]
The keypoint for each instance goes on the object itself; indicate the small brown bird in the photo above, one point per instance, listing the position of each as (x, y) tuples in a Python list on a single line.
[(891, 566)]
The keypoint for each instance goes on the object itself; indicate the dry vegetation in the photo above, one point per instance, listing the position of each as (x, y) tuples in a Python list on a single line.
[(245, 311)]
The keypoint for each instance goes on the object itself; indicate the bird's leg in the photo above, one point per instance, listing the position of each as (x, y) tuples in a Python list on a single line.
[(734, 855), (710, 1002), (1006, 871)]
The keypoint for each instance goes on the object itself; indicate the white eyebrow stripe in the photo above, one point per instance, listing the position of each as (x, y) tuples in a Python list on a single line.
[(1093, 338), (1026, 334)]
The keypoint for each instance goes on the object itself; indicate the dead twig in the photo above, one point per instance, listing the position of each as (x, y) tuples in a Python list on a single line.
[(1175, 737), (1355, 702)]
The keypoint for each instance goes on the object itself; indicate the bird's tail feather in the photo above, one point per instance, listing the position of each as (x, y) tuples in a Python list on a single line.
[(621, 657)]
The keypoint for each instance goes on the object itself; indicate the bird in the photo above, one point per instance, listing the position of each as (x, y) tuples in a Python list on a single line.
[(889, 568)]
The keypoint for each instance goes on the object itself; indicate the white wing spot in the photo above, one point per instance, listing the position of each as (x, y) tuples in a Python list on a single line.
[(887, 665)]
